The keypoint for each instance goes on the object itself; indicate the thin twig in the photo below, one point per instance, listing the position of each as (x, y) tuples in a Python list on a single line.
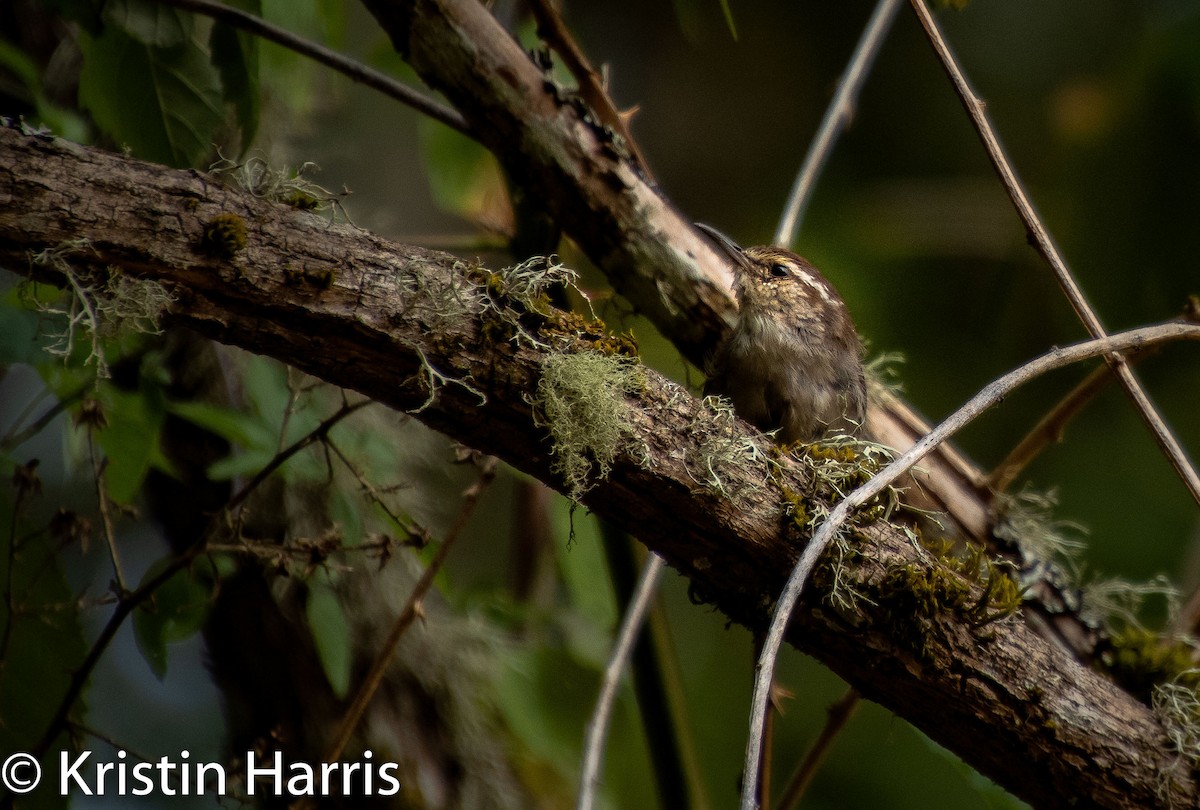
[(352, 69), (99, 468), (1049, 429), (768, 746), (654, 676), (125, 606), (16, 437), (26, 482), (366, 486), (597, 728), (837, 115), (412, 609), (839, 714), (1041, 240), (129, 600), (591, 84), (315, 435), (992, 393)]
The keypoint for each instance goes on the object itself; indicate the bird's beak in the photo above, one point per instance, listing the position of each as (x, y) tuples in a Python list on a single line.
[(726, 245)]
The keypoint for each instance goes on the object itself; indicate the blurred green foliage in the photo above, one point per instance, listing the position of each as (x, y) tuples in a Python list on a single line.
[(1099, 109)]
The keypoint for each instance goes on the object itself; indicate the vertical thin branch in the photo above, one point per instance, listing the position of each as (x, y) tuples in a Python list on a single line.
[(1041, 240), (839, 714), (99, 468), (589, 780), (410, 612), (1050, 428), (837, 116)]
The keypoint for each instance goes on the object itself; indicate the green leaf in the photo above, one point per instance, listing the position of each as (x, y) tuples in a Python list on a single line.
[(149, 22), (235, 56), (243, 429), (85, 12), (60, 120), (330, 633), (19, 334), (44, 644), (163, 103), (175, 612), (131, 439)]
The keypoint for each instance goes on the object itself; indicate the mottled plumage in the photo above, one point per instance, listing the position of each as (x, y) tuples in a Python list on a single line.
[(794, 359)]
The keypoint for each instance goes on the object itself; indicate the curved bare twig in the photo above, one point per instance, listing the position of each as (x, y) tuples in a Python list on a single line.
[(991, 394), (589, 779)]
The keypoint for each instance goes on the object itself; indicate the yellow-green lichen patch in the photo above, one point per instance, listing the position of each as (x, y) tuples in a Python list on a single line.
[(224, 236), (1140, 660), (517, 304), (836, 466), (956, 582), (581, 398)]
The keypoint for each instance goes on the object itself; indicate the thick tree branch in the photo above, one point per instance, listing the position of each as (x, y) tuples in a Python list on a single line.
[(650, 252), (371, 315), (559, 154)]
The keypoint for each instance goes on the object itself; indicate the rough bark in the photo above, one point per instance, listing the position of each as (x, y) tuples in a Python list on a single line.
[(367, 314)]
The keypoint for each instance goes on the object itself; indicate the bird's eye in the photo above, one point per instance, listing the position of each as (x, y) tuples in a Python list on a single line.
[(779, 270)]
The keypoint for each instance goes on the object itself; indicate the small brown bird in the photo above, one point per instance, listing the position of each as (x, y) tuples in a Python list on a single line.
[(794, 359)]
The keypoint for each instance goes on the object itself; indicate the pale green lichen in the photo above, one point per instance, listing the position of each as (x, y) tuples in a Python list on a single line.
[(284, 184), (883, 376), (1026, 519), (581, 399), (1118, 603), (432, 379), (98, 309), (722, 446), (1176, 704)]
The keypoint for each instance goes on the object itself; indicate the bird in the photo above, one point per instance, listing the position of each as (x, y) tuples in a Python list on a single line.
[(793, 362)]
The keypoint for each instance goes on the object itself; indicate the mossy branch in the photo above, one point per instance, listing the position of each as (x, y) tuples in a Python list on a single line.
[(362, 330)]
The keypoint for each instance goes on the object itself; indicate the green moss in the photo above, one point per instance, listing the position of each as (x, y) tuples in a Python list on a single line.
[(1139, 660), (321, 278), (575, 332), (224, 236), (301, 200), (958, 582)]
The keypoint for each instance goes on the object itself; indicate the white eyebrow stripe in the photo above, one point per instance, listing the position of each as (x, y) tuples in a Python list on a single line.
[(813, 283)]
